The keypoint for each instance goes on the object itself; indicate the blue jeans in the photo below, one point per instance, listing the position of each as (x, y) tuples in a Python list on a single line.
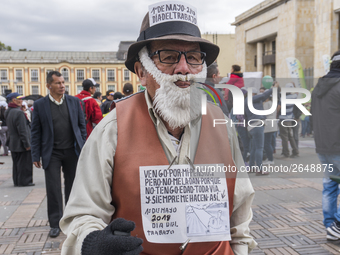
[(274, 140), (305, 126), (268, 147), (256, 145), (243, 133), (331, 190)]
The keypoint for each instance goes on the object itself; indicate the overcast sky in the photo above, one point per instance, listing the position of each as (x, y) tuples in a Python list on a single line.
[(97, 25)]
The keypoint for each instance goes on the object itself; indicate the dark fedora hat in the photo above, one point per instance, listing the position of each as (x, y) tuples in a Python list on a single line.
[(171, 30)]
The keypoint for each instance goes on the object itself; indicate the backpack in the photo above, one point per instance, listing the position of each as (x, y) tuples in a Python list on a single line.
[(83, 107)]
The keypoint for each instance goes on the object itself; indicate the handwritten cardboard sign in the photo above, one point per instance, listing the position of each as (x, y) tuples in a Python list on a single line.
[(172, 11)]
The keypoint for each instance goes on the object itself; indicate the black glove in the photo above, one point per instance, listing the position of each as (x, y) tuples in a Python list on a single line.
[(115, 239)]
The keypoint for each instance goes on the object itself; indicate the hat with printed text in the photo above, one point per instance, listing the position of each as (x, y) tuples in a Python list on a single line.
[(170, 20)]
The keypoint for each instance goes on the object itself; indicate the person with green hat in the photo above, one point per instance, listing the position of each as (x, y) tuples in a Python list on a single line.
[(161, 128)]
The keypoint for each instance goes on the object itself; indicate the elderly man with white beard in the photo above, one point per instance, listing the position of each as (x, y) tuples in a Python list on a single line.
[(121, 202)]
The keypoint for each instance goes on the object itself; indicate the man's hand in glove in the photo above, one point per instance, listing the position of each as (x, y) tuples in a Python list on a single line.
[(115, 239)]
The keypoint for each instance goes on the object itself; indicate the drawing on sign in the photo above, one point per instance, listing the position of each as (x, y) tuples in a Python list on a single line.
[(207, 219)]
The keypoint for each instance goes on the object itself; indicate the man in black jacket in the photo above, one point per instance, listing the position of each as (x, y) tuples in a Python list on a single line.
[(19, 141), (58, 135), (109, 99), (326, 124)]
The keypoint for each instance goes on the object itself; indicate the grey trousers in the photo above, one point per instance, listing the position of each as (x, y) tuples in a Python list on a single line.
[(286, 134), (296, 132)]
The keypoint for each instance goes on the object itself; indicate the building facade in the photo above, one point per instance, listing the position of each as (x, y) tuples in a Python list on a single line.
[(227, 44), (25, 71), (274, 30)]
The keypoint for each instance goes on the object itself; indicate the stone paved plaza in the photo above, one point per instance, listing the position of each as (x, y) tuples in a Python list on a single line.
[(287, 212)]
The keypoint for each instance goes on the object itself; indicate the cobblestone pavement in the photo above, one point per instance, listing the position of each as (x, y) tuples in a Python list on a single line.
[(287, 213), (293, 227)]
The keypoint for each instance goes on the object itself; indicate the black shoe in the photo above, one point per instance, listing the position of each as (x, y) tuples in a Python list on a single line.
[(54, 232), (30, 184)]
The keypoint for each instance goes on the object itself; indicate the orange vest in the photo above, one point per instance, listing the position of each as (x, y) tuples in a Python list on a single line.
[(138, 145)]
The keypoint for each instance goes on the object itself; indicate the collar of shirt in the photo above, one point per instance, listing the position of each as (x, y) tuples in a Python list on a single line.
[(176, 143), (189, 140), (55, 101)]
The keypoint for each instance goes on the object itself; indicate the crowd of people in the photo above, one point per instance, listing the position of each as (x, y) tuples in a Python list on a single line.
[(27, 128), (256, 135), (102, 145), (259, 142)]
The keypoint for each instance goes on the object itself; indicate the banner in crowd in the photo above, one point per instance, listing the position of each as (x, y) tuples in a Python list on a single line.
[(253, 79), (296, 72), (326, 59)]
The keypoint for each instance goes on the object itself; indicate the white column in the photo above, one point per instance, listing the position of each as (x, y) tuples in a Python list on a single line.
[(259, 63)]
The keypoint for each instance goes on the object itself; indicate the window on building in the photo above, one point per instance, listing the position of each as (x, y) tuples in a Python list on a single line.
[(20, 89), (111, 75), (3, 75), (65, 74), (264, 48), (67, 88), (96, 74), (35, 90), (3, 89), (126, 75), (18, 74), (273, 47), (48, 71), (98, 89), (80, 75), (79, 88), (111, 87), (34, 75), (273, 73)]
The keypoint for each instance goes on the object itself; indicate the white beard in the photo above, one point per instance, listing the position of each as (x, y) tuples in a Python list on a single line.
[(176, 106)]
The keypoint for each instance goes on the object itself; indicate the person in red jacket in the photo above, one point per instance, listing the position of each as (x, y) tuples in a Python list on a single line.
[(92, 109), (236, 78)]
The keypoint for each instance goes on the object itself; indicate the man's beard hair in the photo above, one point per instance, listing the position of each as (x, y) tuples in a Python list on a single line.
[(176, 106)]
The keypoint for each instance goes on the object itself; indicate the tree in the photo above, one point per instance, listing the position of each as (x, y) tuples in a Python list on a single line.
[(4, 47)]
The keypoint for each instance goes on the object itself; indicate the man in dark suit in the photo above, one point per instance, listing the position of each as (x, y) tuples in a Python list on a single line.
[(19, 141), (58, 135)]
